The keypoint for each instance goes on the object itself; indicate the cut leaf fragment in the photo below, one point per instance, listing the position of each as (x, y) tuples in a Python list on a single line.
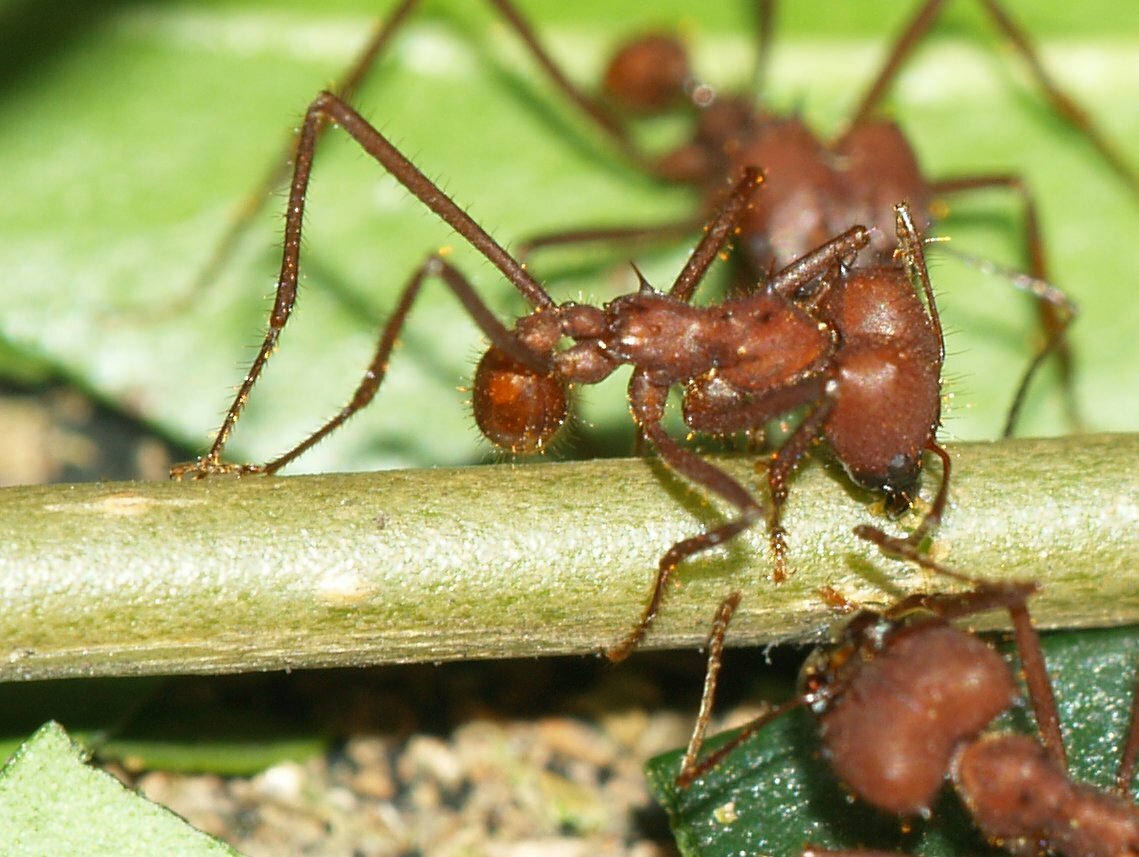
[(53, 803)]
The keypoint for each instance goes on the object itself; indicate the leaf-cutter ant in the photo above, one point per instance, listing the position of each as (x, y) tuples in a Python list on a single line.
[(816, 188), (852, 344), (904, 699)]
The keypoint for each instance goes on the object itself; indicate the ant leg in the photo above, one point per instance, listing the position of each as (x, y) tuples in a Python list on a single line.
[(1126, 771), (716, 636), (1039, 684), (764, 31), (913, 33), (607, 234), (328, 107), (701, 767), (263, 191), (912, 247), (692, 765), (1055, 308), (346, 87), (792, 280), (598, 114), (1061, 102), (724, 414), (374, 376), (716, 234), (779, 467), (932, 518), (647, 400)]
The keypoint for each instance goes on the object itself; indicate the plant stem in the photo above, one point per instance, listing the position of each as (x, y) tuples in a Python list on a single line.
[(502, 561)]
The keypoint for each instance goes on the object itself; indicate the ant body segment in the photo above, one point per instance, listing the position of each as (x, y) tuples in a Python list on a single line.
[(853, 345), (938, 688)]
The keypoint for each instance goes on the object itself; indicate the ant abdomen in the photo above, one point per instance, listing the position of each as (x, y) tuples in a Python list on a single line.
[(648, 75), (941, 686), (901, 398), (517, 408)]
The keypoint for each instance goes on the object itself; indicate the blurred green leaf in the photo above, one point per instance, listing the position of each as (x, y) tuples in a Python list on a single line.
[(130, 134), (234, 725), (776, 792), (52, 803)]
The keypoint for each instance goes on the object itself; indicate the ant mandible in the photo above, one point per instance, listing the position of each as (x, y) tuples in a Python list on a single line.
[(851, 344), (903, 700)]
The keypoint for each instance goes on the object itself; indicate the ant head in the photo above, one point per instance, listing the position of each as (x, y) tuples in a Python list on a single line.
[(517, 408), (895, 695), (828, 669), (901, 490), (648, 75)]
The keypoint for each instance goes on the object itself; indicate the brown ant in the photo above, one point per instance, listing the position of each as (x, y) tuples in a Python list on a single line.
[(816, 188), (853, 345), (903, 699)]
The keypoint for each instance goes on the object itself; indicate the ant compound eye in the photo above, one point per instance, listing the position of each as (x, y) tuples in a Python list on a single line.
[(516, 408), (648, 75)]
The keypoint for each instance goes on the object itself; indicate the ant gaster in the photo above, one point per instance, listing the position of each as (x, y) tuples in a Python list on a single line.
[(853, 345), (938, 688)]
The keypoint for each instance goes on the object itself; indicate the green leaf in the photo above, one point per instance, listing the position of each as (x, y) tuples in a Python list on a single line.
[(776, 792), (129, 136), (52, 803)]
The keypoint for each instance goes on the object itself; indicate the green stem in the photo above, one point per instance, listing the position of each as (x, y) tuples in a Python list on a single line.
[(503, 561)]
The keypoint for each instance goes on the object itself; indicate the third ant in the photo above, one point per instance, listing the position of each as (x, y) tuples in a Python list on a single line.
[(904, 700)]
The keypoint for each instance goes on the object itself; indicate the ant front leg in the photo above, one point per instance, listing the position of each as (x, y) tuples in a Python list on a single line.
[(328, 107), (553, 404)]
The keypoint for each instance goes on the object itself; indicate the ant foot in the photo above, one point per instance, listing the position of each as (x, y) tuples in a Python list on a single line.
[(622, 650), (779, 572), (208, 466)]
